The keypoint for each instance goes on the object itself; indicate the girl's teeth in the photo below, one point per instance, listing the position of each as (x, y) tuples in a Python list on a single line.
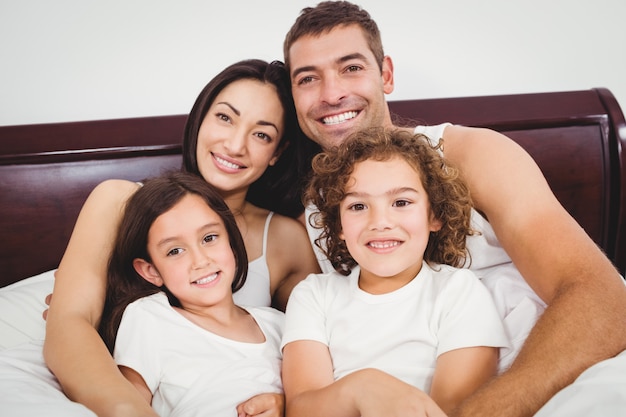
[(207, 279)]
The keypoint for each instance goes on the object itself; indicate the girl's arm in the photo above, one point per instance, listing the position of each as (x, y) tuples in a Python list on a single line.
[(73, 348), (459, 372), (310, 389), (291, 258)]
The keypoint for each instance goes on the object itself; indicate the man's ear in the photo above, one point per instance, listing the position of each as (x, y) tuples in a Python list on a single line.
[(147, 271), (387, 73)]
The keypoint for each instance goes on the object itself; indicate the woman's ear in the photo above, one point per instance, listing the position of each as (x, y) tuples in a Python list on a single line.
[(279, 151), (147, 271)]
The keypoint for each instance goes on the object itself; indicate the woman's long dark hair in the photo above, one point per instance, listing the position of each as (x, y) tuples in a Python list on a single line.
[(158, 195), (280, 187)]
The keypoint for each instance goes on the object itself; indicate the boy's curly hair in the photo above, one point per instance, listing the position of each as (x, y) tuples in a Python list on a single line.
[(448, 194)]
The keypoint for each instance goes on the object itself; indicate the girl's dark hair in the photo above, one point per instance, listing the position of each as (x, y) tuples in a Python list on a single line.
[(155, 197), (448, 194), (280, 187)]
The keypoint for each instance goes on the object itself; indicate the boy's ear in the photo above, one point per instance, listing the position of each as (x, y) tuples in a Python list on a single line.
[(147, 271)]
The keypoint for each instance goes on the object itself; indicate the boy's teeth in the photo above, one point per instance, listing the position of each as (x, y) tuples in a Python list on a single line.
[(383, 245)]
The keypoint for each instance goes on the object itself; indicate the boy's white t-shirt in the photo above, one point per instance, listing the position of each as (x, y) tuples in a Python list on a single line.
[(402, 332)]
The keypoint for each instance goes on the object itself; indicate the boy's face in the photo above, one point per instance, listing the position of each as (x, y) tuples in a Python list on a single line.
[(386, 222), (338, 87)]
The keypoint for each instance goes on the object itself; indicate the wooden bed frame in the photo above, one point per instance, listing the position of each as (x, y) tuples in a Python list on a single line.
[(47, 170)]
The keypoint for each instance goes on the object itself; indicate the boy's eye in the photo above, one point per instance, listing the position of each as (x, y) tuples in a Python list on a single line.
[(401, 203), (357, 206)]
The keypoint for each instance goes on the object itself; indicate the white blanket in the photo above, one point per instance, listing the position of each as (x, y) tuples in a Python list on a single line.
[(27, 388)]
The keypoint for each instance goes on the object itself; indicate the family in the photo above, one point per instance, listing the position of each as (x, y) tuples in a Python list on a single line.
[(312, 258)]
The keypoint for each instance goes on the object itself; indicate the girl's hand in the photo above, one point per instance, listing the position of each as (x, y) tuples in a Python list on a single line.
[(263, 405)]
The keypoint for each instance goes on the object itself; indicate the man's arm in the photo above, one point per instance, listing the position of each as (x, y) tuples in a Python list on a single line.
[(586, 297), (73, 348)]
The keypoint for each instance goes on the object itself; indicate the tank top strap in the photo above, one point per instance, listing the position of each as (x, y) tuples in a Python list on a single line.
[(265, 231)]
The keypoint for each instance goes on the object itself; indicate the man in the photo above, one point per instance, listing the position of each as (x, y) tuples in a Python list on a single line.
[(340, 77)]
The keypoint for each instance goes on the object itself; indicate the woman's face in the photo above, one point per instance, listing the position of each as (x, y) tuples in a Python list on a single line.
[(239, 135)]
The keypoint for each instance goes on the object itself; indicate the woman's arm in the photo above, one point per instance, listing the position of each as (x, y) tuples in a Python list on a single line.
[(558, 260), (290, 258), (73, 348), (460, 372), (310, 389)]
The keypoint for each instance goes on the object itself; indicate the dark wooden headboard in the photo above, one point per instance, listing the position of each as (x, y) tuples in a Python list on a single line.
[(47, 170)]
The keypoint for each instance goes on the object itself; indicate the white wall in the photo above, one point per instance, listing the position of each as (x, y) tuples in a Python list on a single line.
[(68, 60)]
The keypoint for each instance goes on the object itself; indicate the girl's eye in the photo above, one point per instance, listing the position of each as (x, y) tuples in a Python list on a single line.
[(209, 238), (174, 252)]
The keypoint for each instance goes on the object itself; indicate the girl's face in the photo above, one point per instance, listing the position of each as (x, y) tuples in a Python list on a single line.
[(386, 222), (239, 135), (191, 254)]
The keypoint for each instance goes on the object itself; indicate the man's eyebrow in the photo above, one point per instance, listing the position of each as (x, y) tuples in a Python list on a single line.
[(340, 60)]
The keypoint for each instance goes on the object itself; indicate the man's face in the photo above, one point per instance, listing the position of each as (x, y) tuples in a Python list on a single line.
[(338, 87)]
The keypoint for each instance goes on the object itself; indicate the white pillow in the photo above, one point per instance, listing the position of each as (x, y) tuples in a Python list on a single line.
[(21, 307)]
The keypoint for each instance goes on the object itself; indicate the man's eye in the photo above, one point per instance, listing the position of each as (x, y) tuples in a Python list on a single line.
[(353, 68), (305, 80)]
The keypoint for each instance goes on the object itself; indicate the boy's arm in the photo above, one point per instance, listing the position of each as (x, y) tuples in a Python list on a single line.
[(585, 295), (460, 372), (310, 389)]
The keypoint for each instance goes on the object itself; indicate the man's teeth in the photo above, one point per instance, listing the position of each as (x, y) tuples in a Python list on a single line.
[(384, 245), (207, 279), (339, 118), (226, 163)]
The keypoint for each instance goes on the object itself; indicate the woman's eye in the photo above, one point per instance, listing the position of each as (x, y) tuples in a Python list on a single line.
[(223, 117), (264, 136)]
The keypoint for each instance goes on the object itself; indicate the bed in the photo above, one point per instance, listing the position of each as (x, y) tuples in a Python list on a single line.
[(47, 170)]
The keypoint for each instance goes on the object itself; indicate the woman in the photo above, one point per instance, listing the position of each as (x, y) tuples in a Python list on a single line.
[(239, 126)]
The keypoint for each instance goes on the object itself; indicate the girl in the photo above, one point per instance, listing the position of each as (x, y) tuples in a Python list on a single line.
[(397, 320), (177, 259), (241, 137)]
